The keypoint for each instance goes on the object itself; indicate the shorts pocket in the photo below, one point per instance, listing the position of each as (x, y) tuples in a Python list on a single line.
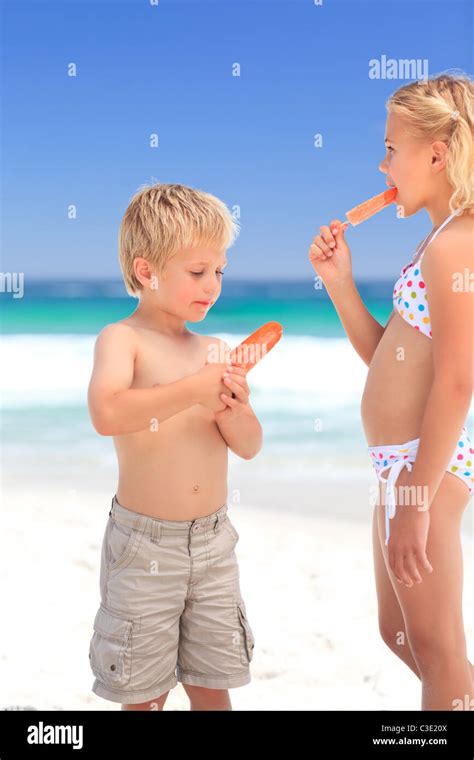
[(230, 528), (246, 652), (123, 543), (110, 651)]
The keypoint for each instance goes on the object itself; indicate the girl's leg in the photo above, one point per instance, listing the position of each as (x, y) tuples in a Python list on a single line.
[(432, 610), (391, 620)]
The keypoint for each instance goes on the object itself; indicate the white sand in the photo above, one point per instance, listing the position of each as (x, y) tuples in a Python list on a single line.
[(307, 582)]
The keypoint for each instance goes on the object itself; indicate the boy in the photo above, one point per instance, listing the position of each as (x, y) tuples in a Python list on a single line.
[(169, 578)]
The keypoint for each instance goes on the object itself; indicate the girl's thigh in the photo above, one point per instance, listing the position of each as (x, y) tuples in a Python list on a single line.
[(432, 610)]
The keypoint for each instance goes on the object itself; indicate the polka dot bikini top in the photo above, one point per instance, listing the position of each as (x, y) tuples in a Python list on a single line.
[(409, 293)]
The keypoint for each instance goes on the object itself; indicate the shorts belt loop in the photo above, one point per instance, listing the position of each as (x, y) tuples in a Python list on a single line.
[(155, 531), (111, 506), (217, 522)]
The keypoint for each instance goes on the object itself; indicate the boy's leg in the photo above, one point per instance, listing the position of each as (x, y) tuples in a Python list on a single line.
[(152, 705), (134, 646), (207, 699), (216, 641)]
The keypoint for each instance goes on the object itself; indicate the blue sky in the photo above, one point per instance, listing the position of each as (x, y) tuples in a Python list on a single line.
[(167, 69)]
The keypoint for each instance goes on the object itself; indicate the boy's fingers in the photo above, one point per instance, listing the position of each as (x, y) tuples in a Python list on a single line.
[(240, 379), (228, 400), (237, 369), (237, 389)]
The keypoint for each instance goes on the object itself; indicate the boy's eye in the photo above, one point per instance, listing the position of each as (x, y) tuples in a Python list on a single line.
[(389, 147), (219, 271)]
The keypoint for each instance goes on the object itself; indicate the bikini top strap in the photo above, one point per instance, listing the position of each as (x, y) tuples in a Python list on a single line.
[(448, 219)]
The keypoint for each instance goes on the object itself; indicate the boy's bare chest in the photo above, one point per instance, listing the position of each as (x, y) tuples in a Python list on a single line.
[(160, 361)]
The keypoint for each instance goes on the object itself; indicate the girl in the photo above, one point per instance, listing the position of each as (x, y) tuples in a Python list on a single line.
[(419, 385)]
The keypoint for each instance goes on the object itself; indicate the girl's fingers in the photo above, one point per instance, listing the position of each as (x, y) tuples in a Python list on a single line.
[(411, 566), (400, 572), (321, 243), (316, 253), (327, 236), (422, 559)]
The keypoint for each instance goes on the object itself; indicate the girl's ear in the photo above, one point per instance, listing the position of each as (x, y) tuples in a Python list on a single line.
[(438, 157)]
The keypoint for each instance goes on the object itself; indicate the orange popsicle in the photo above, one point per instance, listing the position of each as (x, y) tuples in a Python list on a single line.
[(257, 345), (367, 209)]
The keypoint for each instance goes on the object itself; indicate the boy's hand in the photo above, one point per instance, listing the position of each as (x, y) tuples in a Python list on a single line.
[(210, 385), (237, 396), (329, 254)]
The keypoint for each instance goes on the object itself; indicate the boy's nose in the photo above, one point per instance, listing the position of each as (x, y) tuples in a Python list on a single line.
[(382, 166)]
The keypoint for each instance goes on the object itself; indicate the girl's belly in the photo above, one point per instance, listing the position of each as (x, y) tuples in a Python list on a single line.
[(398, 383)]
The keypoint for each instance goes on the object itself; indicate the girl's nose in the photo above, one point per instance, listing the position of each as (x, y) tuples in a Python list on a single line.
[(382, 167)]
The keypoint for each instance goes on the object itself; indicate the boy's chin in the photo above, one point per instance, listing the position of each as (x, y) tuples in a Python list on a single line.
[(196, 315), (193, 318)]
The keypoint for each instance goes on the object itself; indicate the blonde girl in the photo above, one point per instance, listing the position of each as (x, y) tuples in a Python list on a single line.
[(419, 384)]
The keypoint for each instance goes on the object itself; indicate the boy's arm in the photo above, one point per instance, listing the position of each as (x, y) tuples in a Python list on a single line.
[(117, 409), (238, 423), (243, 435)]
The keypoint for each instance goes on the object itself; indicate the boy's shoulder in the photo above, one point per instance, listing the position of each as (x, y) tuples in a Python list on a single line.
[(117, 334), (117, 329)]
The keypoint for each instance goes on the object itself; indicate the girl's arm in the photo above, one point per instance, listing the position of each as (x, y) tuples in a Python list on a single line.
[(330, 257), (363, 331)]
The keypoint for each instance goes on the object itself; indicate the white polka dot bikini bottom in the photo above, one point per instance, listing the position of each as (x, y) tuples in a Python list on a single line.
[(395, 457)]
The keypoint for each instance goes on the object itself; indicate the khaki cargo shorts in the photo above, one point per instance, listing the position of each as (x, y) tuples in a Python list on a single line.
[(171, 608)]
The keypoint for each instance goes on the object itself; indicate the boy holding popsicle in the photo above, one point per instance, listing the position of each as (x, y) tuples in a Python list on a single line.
[(171, 607)]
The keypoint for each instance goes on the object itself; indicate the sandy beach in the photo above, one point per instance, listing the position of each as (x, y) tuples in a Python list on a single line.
[(307, 580)]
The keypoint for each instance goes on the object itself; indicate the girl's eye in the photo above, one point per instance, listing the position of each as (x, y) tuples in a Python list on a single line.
[(389, 148), (196, 272)]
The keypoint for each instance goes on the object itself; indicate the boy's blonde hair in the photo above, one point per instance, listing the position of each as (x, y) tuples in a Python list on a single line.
[(161, 219), (442, 108)]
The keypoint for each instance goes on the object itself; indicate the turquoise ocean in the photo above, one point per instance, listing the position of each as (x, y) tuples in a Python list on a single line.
[(306, 392)]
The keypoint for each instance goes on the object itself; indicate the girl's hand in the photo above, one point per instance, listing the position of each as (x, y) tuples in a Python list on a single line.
[(236, 402), (329, 254), (408, 536)]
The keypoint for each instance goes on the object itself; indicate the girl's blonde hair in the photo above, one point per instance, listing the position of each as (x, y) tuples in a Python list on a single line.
[(442, 108), (162, 219)]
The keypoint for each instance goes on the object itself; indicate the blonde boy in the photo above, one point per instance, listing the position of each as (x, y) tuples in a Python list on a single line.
[(171, 608)]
